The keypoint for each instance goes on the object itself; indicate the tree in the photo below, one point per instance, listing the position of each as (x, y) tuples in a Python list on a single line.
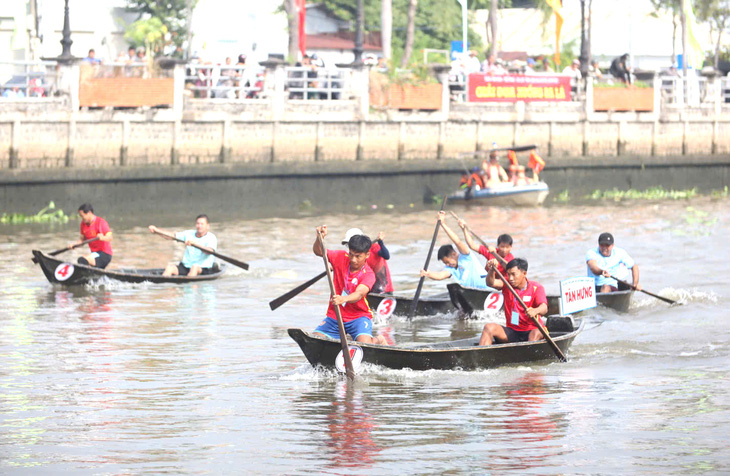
[(673, 7), (172, 13), (585, 36), (292, 21), (410, 31), (717, 14)]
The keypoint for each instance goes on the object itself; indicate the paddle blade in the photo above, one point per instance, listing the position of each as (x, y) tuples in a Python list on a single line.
[(233, 261), (284, 298)]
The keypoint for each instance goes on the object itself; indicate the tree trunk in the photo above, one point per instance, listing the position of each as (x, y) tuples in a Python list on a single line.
[(585, 42), (410, 31), (386, 30), (717, 47), (493, 26), (292, 23), (674, 38)]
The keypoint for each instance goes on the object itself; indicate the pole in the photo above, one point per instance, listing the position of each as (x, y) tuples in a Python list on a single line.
[(359, 27)]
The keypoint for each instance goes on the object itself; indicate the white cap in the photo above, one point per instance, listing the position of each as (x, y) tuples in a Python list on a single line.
[(350, 233)]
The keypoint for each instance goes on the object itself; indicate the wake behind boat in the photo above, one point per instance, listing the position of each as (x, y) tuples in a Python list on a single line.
[(65, 273), (462, 354)]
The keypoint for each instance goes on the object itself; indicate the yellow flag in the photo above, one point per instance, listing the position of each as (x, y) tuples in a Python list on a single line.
[(557, 6), (695, 55)]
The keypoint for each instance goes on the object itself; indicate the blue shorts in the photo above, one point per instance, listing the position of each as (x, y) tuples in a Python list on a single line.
[(361, 325)]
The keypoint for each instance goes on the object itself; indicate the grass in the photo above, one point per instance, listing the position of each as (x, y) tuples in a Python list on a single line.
[(48, 214), (654, 193)]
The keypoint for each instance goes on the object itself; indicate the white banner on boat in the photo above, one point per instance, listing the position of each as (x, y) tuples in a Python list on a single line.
[(577, 294)]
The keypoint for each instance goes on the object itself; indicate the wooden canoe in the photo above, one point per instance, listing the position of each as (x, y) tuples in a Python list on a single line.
[(66, 273), (477, 299), (462, 354)]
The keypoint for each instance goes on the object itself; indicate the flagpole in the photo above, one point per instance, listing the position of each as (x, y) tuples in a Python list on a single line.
[(683, 19)]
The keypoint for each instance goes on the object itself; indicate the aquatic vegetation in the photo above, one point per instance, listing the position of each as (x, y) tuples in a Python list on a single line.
[(720, 193), (563, 197), (698, 223), (48, 214), (654, 193)]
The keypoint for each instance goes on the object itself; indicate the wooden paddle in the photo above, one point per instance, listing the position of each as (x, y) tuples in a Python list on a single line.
[(495, 254), (558, 353), (204, 249), (58, 252), (412, 311), (350, 370), (284, 298), (667, 300)]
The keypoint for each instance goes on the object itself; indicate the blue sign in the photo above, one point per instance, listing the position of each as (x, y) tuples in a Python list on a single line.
[(457, 47)]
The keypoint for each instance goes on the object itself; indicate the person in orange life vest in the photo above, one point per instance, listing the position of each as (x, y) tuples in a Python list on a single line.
[(502, 253), (520, 327), (379, 255), (495, 173), (91, 227), (536, 163), (353, 279), (520, 178)]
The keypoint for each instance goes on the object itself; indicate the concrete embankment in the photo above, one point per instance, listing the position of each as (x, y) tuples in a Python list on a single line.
[(284, 189)]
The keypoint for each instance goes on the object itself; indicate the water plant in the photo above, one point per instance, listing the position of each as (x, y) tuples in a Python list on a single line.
[(654, 193), (48, 214)]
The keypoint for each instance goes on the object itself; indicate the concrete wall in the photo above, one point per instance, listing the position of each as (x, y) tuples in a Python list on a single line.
[(131, 140)]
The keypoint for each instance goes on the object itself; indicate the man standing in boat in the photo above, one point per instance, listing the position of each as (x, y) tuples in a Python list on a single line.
[(520, 326), (493, 171), (353, 279), (93, 226), (463, 265), (195, 261), (379, 255), (502, 253), (608, 260)]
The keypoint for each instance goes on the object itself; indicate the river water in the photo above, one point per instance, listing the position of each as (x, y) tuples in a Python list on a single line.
[(203, 379)]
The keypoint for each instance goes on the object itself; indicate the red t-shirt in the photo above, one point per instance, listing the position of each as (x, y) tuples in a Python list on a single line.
[(383, 284), (346, 283), (98, 227), (533, 295), (485, 252)]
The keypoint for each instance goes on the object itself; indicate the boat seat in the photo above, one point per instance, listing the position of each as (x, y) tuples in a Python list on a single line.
[(560, 324)]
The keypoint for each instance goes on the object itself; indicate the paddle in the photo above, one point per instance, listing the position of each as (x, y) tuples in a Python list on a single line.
[(558, 353), (204, 249), (495, 254), (412, 311), (340, 325), (284, 298), (667, 300), (58, 252)]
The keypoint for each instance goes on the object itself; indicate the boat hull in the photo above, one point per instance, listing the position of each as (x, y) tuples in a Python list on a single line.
[(463, 354), (427, 306), (618, 301), (523, 195), (69, 274)]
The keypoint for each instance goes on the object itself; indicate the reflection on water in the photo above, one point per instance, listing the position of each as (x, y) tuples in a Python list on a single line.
[(202, 378)]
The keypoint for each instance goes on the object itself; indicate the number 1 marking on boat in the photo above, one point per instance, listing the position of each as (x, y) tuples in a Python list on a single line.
[(64, 271)]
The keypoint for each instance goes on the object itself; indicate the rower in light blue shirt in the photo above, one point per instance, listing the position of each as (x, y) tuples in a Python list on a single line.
[(195, 261), (463, 266), (608, 262)]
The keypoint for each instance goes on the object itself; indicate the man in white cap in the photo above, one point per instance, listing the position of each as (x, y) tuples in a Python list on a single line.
[(574, 71), (606, 261), (377, 261)]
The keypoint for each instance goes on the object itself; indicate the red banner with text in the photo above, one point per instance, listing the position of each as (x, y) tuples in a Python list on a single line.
[(513, 88)]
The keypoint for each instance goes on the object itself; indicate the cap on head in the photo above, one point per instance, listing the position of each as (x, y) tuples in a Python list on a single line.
[(605, 239), (350, 233), (576, 61)]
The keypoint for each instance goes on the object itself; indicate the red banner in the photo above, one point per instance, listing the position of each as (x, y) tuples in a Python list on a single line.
[(513, 88)]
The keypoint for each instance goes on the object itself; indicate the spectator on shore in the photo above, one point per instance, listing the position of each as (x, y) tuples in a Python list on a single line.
[(227, 81), (140, 57), (493, 66), (91, 58), (13, 92), (529, 69), (574, 71), (131, 55), (546, 66), (595, 72), (472, 63), (382, 64), (620, 70)]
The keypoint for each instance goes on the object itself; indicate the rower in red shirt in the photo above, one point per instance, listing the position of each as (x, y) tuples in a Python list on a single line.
[(353, 279), (379, 255), (520, 326), (93, 226), (502, 253)]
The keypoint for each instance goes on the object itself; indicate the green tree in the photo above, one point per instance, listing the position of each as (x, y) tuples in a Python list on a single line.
[(147, 32), (672, 7), (174, 15), (717, 14), (437, 23)]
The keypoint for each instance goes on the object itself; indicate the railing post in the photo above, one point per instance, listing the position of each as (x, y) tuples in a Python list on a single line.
[(178, 89), (277, 69), (14, 161)]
